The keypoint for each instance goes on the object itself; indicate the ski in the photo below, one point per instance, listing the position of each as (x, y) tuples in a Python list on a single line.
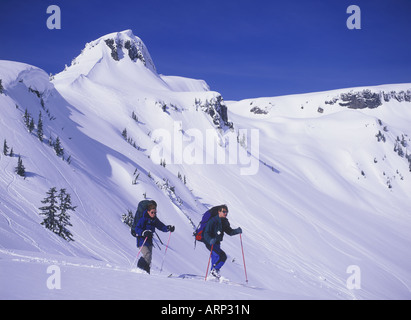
[(213, 279)]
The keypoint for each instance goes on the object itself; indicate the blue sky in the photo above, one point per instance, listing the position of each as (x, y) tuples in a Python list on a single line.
[(242, 49)]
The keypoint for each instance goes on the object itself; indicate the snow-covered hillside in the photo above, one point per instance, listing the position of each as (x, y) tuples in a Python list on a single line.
[(318, 182)]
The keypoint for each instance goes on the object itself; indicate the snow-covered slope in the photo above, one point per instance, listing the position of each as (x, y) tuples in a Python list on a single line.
[(312, 179)]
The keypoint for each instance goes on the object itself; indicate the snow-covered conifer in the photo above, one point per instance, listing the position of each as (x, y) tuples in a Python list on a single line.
[(58, 148), (5, 148), (63, 220), (50, 210), (20, 169), (40, 133)]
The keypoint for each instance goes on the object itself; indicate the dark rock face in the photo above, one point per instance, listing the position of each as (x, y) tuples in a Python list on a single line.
[(361, 100), (134, 52), (368, 99), (399, 96), (258, 110), (217, 110), (113, 46)]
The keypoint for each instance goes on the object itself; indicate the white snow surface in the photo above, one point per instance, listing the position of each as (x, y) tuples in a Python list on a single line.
[(326, 194)]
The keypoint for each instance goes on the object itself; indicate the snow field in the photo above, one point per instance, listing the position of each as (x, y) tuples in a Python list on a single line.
[(307, 215)]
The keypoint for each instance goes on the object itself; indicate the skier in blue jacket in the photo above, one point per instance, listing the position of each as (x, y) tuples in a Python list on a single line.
[(213, 236), (145, 229)]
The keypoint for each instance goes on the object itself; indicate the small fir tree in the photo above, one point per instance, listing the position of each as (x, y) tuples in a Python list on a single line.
[(40, 133), (20, 169), (26, 118), (128, 218), (50, 210), (5, 148), (31, 125), (64, 218), (56, 213), (58, 148)]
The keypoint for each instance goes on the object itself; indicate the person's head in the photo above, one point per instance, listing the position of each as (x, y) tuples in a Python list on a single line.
[(223, 211), (152, 209)]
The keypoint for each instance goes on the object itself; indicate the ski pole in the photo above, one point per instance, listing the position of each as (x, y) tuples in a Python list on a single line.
[(209, 259), (242, 250), (161, 269), (158, 238)]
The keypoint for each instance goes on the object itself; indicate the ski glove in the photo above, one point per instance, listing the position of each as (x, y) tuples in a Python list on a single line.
[(147, 233), (238, 230), (213, 241), (171, 228)]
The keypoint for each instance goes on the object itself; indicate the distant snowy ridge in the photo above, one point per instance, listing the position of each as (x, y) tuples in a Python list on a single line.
[(130, 50), (136, 50), (121, 45)]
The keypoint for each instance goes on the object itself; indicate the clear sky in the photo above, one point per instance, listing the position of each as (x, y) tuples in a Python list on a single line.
[(242, 48)]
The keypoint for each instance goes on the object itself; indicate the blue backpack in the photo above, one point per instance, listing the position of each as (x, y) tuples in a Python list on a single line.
[(198, 234)]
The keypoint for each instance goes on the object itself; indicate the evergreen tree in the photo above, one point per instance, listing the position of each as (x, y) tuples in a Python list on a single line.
[(58, 148), (128, 218), (51, 143), (26, 118), (134, 116), (64, 217), (20, 169), (31, 125), (50, 210), (5, 148), (124, 134), (1, 87), (56, 213), (40, 133)]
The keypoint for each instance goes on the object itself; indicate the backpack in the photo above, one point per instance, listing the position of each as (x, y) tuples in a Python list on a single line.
[(141, 208), (198, 234)]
